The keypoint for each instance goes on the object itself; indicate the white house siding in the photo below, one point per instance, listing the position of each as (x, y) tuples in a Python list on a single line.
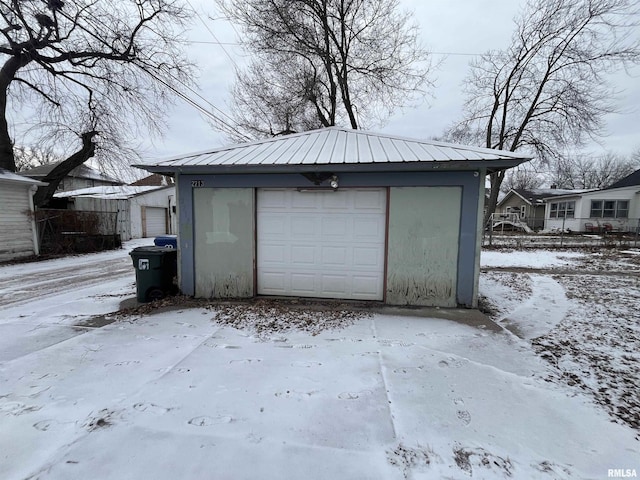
[(424, 236), (583, 210), (16, 226)]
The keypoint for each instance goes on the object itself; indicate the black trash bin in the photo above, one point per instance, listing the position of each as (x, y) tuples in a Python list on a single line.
[(156, 267)]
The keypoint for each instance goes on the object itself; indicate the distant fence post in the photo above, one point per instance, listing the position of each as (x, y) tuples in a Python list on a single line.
[(562, 233), (491, 230)]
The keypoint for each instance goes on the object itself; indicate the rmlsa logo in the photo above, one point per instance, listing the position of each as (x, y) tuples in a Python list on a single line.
[(622, 473)]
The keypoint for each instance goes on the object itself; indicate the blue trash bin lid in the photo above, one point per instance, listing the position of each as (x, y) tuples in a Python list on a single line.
[(167, 241)]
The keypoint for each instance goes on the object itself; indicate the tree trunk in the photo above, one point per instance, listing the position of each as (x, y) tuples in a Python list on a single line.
[(496, 180), (44, 194), (7, 74)]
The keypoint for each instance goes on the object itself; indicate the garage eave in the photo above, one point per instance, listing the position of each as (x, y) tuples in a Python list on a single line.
[(491, 166)]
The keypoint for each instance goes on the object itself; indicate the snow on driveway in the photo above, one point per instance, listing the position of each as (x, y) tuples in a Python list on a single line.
[(178, 394)]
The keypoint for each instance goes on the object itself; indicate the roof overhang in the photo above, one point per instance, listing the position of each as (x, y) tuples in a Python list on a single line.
[(491, 166)]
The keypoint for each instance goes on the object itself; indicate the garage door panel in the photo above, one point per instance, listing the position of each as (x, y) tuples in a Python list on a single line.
[(335, 227), (368, 228), (364, 286), (274, 226), (367, 257), (329, 244), (333, 284), (303, 255), (302, 226), (335, 256), (274, 253), (303, 284), (276, 281), (277, 199), (334, 200), (370, 200)]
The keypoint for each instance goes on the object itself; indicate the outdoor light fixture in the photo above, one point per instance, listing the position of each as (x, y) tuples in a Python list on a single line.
[(334, 182)]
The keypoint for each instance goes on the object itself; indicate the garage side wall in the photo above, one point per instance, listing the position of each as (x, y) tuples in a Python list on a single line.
[(224, 246), (424, 234)]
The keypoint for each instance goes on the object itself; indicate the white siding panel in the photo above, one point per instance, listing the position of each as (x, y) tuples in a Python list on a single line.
[(16, 234)]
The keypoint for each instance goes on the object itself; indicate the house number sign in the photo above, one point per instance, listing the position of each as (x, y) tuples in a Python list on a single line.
[(197, 183)]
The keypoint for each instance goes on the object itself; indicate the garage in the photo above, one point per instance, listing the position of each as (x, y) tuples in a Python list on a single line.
[(154, 221), (321, 243), (333, 213)]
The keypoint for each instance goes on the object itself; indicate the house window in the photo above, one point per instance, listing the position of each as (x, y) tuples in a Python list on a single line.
[(609, 209), (562, 210), (523, 211)]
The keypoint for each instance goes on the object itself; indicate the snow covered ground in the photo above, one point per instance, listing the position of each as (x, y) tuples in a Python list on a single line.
[(276, 390)]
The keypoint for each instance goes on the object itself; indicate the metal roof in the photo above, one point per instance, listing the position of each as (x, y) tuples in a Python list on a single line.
[(114, 192), (7, 176), (339, 149), (82, 171)]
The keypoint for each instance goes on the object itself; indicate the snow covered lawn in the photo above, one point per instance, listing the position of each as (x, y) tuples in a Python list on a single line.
[(275, 390)]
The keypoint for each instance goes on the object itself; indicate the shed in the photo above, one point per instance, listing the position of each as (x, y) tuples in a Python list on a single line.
[(18, 234), (333, 213)]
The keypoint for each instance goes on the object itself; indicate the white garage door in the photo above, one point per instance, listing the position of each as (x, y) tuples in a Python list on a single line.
[(321, 243), (156, 221)]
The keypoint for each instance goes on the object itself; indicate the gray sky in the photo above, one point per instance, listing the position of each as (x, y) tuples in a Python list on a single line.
[(459, 29)]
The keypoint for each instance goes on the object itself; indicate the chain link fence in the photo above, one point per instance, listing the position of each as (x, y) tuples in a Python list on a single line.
[(509, 230)]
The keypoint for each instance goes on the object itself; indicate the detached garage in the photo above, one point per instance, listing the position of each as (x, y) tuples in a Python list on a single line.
[(333, 213)]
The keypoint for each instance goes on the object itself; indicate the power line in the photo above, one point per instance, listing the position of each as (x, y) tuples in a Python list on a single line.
[(212, 34), (238, 44)]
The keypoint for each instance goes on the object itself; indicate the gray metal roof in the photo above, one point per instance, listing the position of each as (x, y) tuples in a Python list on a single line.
[(82, 171), (339, 149), (7, 176)]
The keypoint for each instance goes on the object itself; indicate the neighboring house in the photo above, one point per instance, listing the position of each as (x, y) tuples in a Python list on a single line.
[(80, 177), (333, 213), (139, 211), (615, 208), (18, 234), (529, 205)]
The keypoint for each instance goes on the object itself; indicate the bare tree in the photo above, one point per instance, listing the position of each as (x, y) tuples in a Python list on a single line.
[(522, 177), (88, 74), (27, 158), (343, 61), (274, 101), (548, 90), (586, 172)]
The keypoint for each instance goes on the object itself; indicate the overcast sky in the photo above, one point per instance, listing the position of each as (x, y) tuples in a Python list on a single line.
[(454, 31)]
